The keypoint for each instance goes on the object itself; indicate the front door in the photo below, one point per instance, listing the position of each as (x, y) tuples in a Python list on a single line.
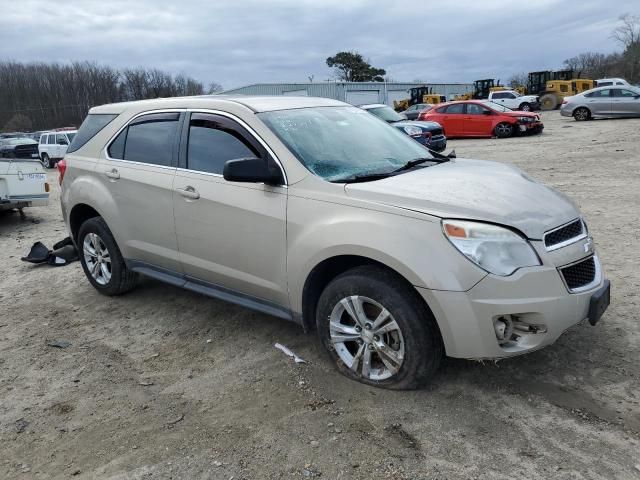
[(599, 102), (454, 120), (478, 120), (230, 234)]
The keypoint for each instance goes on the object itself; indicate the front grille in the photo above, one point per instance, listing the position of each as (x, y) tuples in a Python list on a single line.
[(562, 234), (25, 151), (436, 131), (579, 274)]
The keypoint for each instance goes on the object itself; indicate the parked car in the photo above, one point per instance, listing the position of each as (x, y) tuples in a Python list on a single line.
[(515, 101), (603, 102), (314, 211), (483, 118), (53, 146), (18, 147), (608, 82), (414, 110), (23, 183), (428, 134)]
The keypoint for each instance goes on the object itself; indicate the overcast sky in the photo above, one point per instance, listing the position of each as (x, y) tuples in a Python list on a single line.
[(241, 42)]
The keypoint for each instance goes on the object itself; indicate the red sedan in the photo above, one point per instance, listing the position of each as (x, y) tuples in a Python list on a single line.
[(482, 118)]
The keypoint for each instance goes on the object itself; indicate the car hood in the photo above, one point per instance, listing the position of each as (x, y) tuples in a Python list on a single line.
[(417, 123), (476, 190)]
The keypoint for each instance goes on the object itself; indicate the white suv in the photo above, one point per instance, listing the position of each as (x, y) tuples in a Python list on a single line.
[(53, 146)]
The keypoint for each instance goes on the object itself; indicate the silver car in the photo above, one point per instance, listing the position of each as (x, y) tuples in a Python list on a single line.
[(603, 102), (315, 211)]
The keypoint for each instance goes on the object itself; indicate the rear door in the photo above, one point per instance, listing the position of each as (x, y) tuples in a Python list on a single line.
[(62, 143), (229, 234), (454, 120), (138, 172), (599, 102), (625, 102)]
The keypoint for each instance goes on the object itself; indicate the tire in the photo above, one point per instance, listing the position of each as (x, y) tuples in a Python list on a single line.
[(96, 244), (525, 107), (503, 130), (400, 358), (582, 114), (46, 161), (548, 102)]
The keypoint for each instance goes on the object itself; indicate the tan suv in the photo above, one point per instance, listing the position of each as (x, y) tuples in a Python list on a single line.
[(317, 212)]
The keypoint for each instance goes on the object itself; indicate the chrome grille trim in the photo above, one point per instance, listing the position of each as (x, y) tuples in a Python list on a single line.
[(554, 246)]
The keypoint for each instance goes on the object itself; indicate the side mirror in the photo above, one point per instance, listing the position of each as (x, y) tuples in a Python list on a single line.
[(251, 170)]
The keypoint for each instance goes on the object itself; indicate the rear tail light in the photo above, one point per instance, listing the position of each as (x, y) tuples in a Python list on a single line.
[(62, 167), (46, 187)]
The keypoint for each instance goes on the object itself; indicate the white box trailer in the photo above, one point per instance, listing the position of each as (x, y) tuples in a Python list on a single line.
[(23, 183)]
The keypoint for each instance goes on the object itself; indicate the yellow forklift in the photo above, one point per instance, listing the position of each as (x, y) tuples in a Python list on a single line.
[(552, 86), (421, 94), (481, 89)]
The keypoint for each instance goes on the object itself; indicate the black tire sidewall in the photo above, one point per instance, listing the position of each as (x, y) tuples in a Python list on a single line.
[(523, 104), (423, 344), (46, 160), (98, 226), (588, 114), (501, 135)]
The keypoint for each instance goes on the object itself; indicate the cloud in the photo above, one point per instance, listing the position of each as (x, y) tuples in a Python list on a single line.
[(241, 42)]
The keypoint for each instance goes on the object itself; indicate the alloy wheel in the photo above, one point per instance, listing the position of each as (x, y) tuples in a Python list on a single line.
[(97, 258), (366, 338), (503, 130)]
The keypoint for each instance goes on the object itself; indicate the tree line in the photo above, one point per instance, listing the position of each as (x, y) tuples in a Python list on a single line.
[(623, 64), (40, 96)]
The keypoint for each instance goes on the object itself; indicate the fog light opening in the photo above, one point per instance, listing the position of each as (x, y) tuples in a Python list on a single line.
[(503, 327)]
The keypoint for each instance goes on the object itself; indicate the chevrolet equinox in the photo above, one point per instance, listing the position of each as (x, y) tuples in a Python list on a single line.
[(315, 211)]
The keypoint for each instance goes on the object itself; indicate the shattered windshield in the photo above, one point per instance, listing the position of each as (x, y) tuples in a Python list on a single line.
[(341, 142)]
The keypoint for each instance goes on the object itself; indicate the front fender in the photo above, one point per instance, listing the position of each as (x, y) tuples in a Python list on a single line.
[(414, 247)]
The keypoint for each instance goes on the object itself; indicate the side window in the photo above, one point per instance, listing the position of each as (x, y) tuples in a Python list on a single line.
[(474, 109), (147, 139), (509, 95), (61, 139), (43, 139), (214, 140), (604, 84), (456, 108), (51, 140), (498, 95), (620, 92)]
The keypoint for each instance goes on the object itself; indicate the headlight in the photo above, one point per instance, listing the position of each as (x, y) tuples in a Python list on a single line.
[(494, 249), (413, 131), (525, 119)]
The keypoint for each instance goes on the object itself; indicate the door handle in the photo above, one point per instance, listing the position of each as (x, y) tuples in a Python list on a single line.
[(113, 174), (188, 192)]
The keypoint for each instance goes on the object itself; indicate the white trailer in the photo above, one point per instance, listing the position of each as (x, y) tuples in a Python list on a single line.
[(23, 183)]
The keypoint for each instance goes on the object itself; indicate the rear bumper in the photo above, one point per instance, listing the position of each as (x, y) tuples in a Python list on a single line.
[(566, 112), (535, 297), (24, 201)]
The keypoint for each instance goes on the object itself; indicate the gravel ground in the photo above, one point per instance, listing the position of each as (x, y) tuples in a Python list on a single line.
[(164, 383)]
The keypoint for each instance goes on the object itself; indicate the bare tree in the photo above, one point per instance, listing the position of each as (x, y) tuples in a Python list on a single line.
[(628, 32), (55, 95), (518, 80)]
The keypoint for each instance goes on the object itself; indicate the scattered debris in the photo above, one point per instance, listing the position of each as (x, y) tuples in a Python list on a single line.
[(59, 344), (179, 419), (21, 425), (208, 340), (64, 252), (638, 467), (145, 384), (288, 352), (217, 463), (315, 443)]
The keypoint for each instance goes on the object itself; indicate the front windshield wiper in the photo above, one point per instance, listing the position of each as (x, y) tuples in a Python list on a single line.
[(417, 161), (362, 178)]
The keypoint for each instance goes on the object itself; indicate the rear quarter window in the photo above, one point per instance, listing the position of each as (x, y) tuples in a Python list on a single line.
[(89, 128)]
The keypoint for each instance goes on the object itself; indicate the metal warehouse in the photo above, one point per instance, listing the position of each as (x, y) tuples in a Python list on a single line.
[(356, 93)]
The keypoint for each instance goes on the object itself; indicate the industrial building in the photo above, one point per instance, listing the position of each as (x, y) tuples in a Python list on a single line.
[(356, 93)]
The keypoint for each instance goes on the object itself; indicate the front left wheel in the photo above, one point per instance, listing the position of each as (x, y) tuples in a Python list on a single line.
[(101, 259), (377, 330), (504, 130)]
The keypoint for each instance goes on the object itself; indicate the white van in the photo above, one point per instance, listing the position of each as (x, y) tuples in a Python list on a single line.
[(53, 146)]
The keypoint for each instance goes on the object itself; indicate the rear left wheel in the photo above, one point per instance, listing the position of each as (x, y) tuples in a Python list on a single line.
[(377, 331), (101, 259)]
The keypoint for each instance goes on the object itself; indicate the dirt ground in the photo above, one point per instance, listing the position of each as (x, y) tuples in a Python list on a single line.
[(164, 383)]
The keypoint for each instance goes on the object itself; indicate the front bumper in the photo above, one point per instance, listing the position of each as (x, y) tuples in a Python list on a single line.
[(535, 296), (437, 143), (530, 128)]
